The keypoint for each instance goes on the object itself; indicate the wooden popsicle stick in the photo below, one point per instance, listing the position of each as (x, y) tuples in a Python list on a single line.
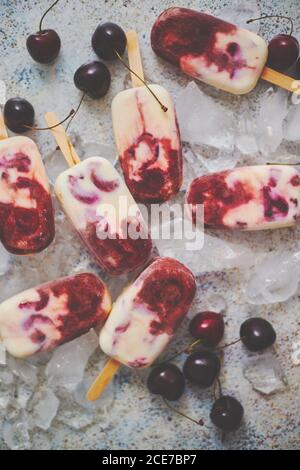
[(3, 130), (134, 57), (103, 379), (277, 78), (62, 140)]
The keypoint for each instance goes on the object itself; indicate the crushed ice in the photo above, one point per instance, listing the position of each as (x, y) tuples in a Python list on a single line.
[(67, 365), (265, 374)]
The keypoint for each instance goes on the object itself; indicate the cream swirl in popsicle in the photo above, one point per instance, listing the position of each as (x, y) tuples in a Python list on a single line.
[(43, 317), (26, 212), (146, 315), (247, 198), (105, 215), (148, 143), (210, 49)]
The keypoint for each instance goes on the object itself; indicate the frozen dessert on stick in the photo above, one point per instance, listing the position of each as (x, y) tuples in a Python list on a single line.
[(26, 212), (214, 51), (43, 317), (145, 318), (247, 198), (101, 209), (147, 135)]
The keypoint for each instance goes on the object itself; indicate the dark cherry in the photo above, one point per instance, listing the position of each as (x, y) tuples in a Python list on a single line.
[(227, 413), (93, 78), (44, 46), (207, 326), (202, 368), (107, 39), (166, 380), (283, 52), (18, 112), (257, 334)]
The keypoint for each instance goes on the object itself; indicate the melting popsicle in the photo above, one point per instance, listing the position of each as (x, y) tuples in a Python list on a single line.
[(146, 315), (214, 51), (101, 209), (26, 212), (41, 318), (147, 137), (145, 318), (247, 198)]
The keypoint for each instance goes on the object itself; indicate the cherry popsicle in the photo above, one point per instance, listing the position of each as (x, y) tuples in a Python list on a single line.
[(214, 51), (26, 211), (147, 135), (44, 317), (87, 192), (247, 198), (145, 318)]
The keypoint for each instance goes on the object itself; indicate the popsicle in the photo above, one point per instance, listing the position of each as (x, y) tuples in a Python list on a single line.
[(26, 212), (43, 317), (102, 210), (145, 318), (147, 137), (247, 198), (214, 51)]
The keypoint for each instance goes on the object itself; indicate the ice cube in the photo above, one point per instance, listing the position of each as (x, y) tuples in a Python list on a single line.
[(223, 159), (2, 353), (239, 12), (22, 396), (94, 149), (265, 374), (215, 254), (75, 418), (292, 124), (55, 164), (16, 435), (4, 261), (5, 398), (45, 409), (104, 403), (273, 111), (6, 376), (275, 279), (215, 129), (24, 370), (66, 367)]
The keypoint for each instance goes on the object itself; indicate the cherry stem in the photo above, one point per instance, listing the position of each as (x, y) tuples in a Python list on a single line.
[(229, 344), (75, 112), (284, 164), (71, 113), (186, 350), (180, 413), (273, 16), (163, 107), (46, 12)]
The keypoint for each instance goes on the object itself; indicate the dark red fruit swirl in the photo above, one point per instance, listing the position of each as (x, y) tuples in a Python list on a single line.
[(212, 191), (26, 230), (84, 304), (116, 254), (180, 32), (168, 290)]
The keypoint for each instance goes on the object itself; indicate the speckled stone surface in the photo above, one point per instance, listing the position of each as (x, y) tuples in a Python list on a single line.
[(138, 420)]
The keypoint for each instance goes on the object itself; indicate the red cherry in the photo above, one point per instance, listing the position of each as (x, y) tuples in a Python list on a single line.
[(283, 52), (44, 46), (207, 326)]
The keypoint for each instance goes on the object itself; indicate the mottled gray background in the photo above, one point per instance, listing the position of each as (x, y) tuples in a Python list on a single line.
[(136, 419)]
